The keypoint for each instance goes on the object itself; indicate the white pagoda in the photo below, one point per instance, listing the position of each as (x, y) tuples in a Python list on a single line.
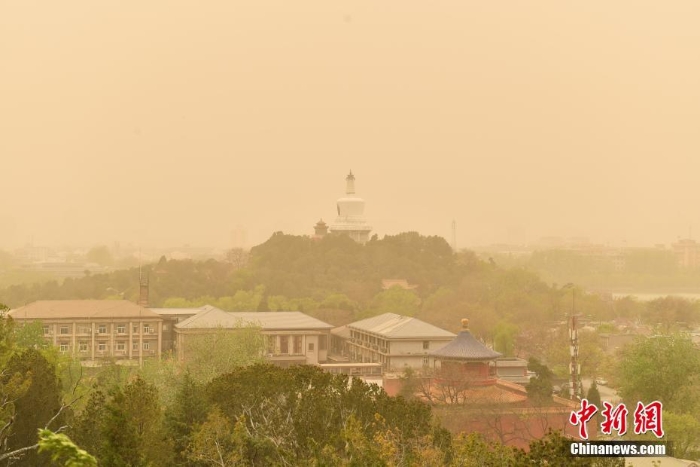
[(351, 219)]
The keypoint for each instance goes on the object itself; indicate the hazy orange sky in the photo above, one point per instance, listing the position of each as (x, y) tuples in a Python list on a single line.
[(172, 122)]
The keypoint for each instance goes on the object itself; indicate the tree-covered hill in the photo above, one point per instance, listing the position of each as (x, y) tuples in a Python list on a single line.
[(302, 266), (339, 280)]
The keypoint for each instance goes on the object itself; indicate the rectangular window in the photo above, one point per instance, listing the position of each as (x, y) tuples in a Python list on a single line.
[(297, 344), (284, 344), (136, 329), (102, 329), (121, 346), (426, 361), (146, 346), (146, 328), (121, 328), (83, 347), (426, 345), (47, 330), (271, 344), (64, 330), (311, 346), (135, 346), (64, 347), (82, 329), (322, 342), (101, 347)]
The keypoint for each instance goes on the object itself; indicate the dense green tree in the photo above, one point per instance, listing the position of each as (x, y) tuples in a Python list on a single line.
[(472, 450), (36, 406), (188, 411), (222, 351), (672, 313), (539, 389), (132, 428), (217, 442), (504, 338), (86, 429), (293, 415), (100, 255), (658, 368), (122, 446), (63, 450), (395, 300), (683, 432)]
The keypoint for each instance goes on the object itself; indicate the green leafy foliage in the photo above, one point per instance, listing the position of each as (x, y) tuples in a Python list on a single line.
[(539, 389), (35, 406), (297, 414), (659, 368), (189, 410), (62, 450)]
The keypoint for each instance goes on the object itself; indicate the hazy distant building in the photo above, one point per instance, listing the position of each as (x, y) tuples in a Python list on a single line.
[(687, 253), (320, 229), (351, 208)]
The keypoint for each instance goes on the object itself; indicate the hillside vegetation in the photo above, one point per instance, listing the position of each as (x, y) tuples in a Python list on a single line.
[(338, 280)]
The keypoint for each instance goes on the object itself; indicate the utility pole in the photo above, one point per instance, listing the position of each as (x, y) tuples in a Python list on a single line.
[(574, 365)]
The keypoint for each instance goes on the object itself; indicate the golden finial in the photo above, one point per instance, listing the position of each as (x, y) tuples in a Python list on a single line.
[(465, 323)]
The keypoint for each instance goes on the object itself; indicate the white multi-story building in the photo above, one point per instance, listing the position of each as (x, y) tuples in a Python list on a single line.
[(395, 341)]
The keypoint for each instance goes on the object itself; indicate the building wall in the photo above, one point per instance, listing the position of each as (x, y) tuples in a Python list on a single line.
[(284, 347), (121, 339), (393, 354)]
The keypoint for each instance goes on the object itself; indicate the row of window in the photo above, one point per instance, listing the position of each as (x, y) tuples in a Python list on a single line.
[(381, 343), (102, 346), (296, 346), (101, 329)]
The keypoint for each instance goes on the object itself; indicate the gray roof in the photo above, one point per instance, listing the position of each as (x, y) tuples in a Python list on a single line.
[(179, 311), (341, 331), (81, 309), (395, 326), (212, 317), (465, 347)]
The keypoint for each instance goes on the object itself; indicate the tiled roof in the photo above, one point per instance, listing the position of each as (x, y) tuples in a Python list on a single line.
[(466, 347), (178, 311), (212, 317), (396, 326), (341, 331), (82, 309)]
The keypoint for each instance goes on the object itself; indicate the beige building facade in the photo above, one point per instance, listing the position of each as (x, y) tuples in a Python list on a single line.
[(94, 330), (395, 341), (290, 337)]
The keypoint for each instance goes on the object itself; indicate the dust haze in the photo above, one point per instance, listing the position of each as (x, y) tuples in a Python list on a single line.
[(172, 122)]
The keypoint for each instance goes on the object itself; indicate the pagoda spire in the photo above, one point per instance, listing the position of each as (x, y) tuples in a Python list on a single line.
[(350, 180)]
